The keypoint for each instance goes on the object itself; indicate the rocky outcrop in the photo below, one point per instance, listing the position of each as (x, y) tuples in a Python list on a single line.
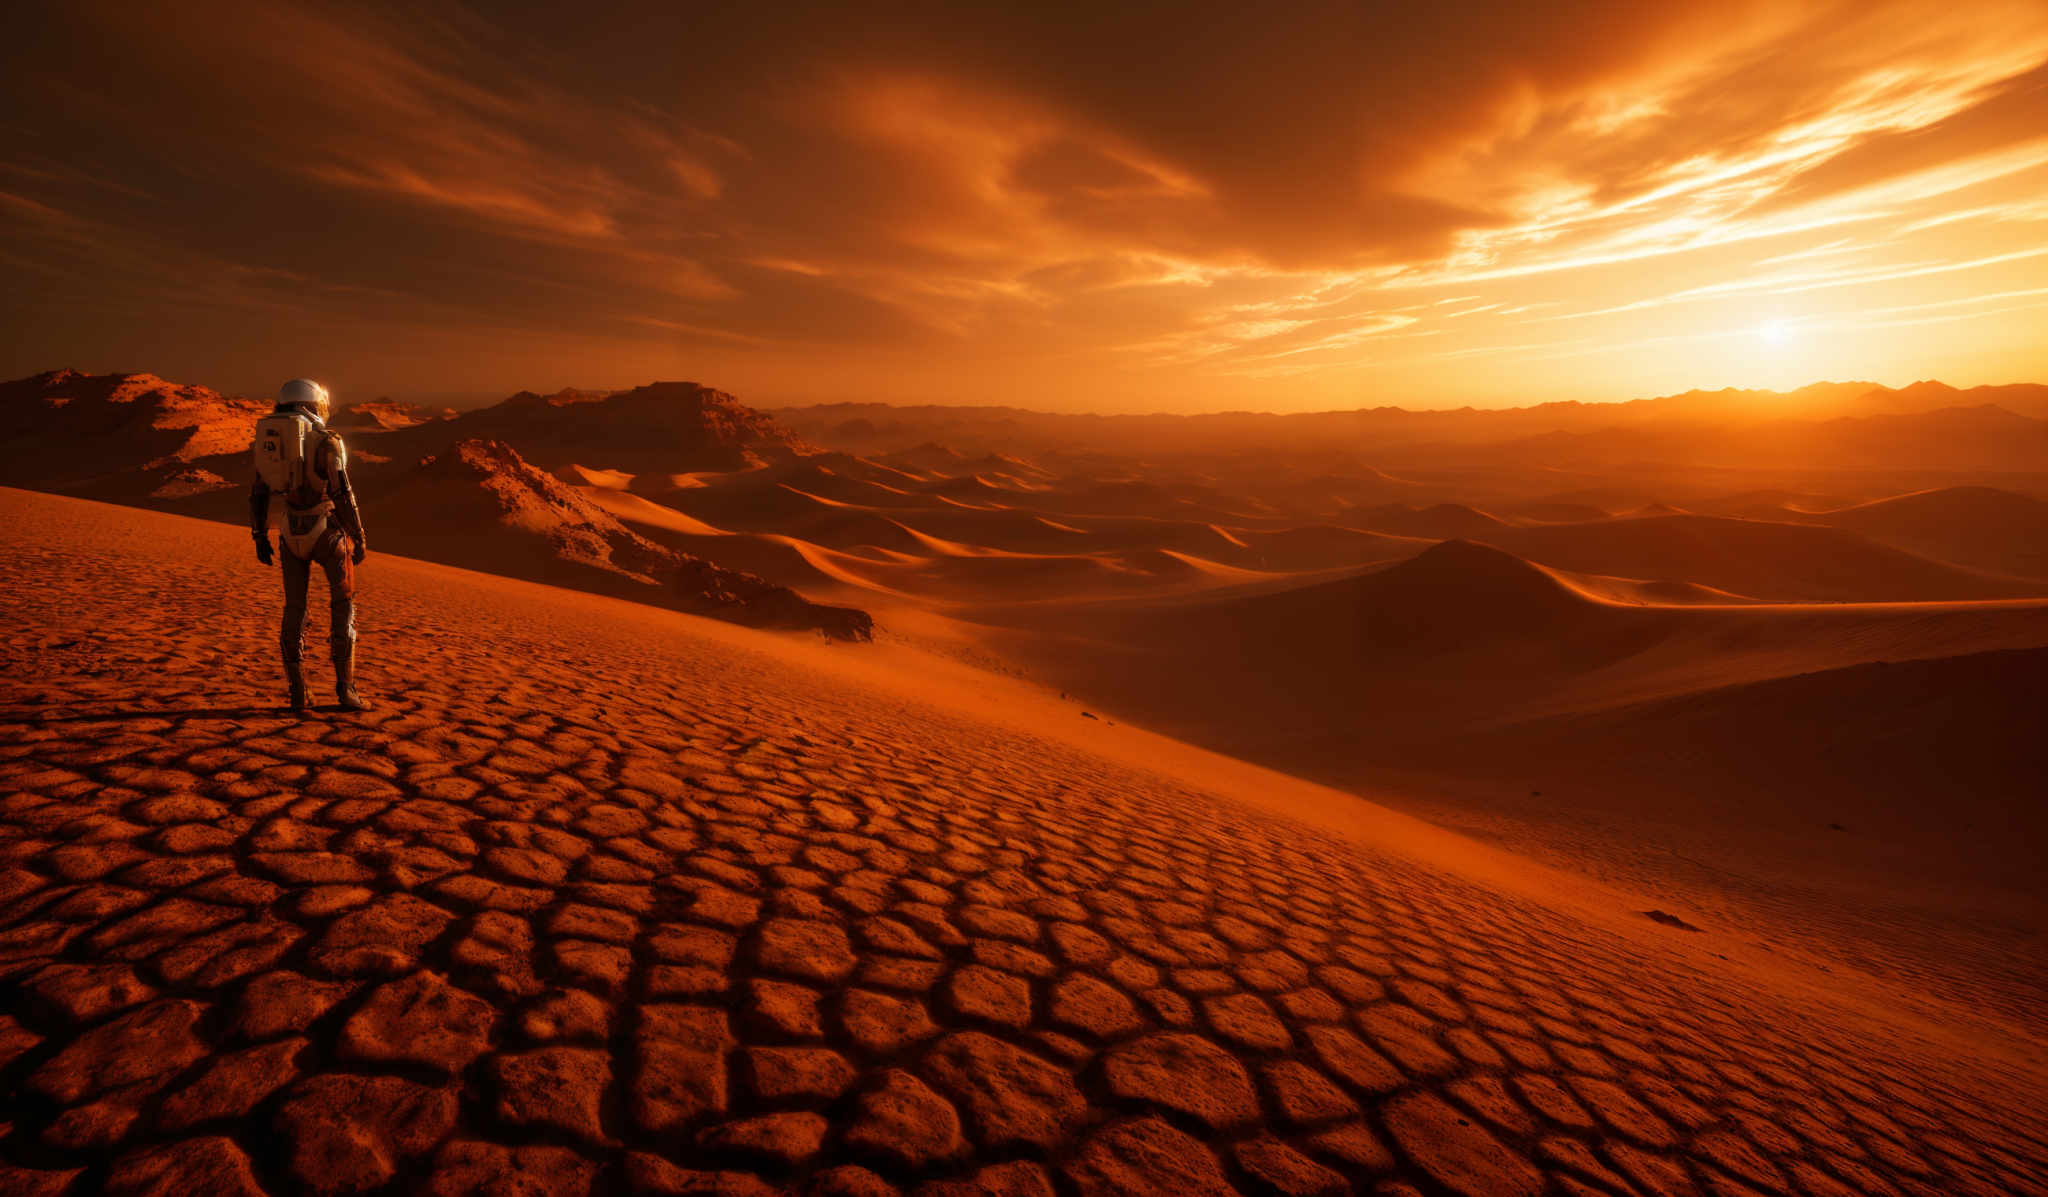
[(114, 434), (663, 427)]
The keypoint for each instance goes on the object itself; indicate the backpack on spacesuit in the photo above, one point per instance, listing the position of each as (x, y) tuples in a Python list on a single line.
[(286, 442)]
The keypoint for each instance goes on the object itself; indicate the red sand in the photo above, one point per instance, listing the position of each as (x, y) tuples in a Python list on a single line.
[(609, 896)]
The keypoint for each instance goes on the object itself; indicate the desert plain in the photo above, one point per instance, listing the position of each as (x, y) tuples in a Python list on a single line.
[(857, 799)]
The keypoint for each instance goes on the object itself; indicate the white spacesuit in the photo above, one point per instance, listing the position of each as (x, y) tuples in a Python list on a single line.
[(302, 486)]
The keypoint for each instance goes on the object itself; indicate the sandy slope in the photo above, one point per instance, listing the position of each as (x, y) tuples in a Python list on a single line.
[(1977, 526), (1695, 750), (610, 895), (1758, 558)]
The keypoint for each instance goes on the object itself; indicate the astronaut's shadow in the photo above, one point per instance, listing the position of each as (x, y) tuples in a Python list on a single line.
[(134, 716)]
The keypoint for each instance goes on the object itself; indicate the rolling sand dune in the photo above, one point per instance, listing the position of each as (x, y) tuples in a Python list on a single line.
[(1497, 695), (1324, 546), (1014, 531), (481, 506), (931, 459), (1862, 730), (1868, 815), (580, 475), (384, 415), (1641, 592), (1445, 521), (1471, 636), (955, 556), (1761, 559), (1979, 527), (868, 551), (770, 499), (612, 896), (1557, 513), (826, 482), (973, 489), (1167, 564), (633, 509), (971, 578), (858, 468)]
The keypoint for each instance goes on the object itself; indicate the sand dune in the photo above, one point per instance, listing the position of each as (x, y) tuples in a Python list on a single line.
[(1445, 521), (634, 509), (930, 459), (1465, 672), (1167, 564), (1470, 635), (1648, 592), (892, 546), (582, 475), (1554, 512), (866, 550), (954, 577), (1754, 557), (384, 415), (763, 500), (1765, 504), (481, 506), (837, 482), (1323, 546), (1014, 531), (1974, 526), (1919, 744), (972, 489), (1864, 814)]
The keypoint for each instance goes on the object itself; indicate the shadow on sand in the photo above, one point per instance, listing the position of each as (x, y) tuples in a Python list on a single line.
[(130, 716)]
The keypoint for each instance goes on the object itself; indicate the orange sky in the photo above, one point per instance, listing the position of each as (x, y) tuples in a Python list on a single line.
[(1269, 206)]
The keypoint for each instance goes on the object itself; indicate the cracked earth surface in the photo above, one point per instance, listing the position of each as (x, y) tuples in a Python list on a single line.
[(597, 903)]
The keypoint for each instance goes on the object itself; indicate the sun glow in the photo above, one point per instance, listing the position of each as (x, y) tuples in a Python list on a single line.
[(1775, 332)]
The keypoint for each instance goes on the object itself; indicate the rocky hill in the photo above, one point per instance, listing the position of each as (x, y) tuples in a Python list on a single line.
[(113, 435), (462, 490), (660, 428)]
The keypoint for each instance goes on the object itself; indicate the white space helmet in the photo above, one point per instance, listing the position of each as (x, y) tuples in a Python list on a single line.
[(307, 394)]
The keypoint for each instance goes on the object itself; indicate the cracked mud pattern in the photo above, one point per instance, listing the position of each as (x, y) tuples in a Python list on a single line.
[(596, 904)]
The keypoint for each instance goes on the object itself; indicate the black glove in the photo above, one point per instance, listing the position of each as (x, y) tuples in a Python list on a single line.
[(360, 552), (263, 549)]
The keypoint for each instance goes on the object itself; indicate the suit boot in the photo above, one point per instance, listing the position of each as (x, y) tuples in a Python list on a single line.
[(345, 695), (295, 680)]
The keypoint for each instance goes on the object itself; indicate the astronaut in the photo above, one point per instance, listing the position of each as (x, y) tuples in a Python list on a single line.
[(302, 485)]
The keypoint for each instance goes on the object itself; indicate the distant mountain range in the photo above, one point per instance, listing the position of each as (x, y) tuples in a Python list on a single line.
[(1857, 424)]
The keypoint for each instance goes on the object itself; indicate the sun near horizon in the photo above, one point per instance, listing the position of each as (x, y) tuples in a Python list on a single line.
[(1323, 206)]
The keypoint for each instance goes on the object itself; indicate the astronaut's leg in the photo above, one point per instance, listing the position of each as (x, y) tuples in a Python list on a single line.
[(291, 636), (335, 558)]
